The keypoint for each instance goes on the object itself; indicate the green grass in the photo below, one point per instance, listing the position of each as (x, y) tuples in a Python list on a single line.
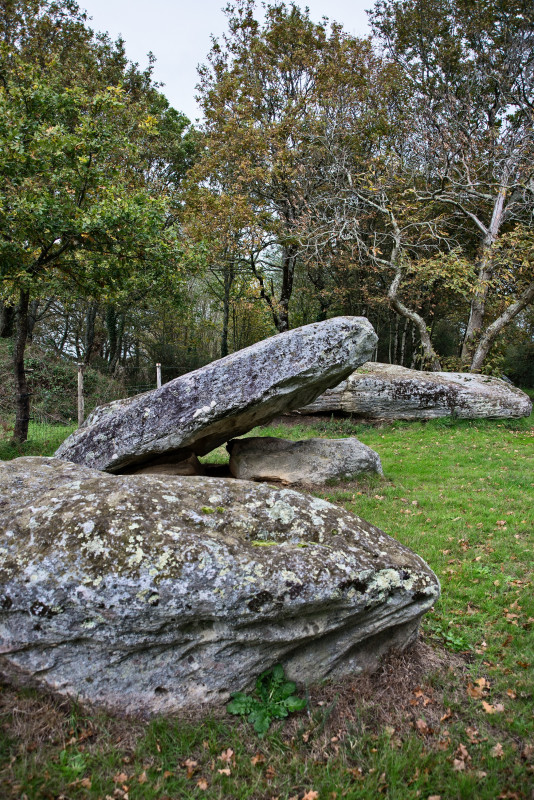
[(43, 440), (453, 719)]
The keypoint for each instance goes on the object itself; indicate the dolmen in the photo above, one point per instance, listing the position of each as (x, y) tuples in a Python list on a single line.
[(197, 412), (143, 590), (387, 391)]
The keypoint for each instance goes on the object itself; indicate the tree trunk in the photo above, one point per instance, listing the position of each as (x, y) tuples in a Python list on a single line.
[(229, 276), (20, 432), (115, 326), (288, 273), (32, 318), (478, 305), (403, 342), (7, 320), (493, 330), (430, 356), (89, 336), (413, 365), (485, 273)]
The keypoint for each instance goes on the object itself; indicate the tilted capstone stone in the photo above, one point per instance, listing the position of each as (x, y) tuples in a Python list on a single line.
[(147, 594), (201, 410)]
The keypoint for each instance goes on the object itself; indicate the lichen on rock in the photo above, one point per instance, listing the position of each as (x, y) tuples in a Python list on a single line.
[(197, 412), (141, 592)]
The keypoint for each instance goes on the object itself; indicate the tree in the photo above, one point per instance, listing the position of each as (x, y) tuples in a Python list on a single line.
[(262, 96), (78, 209), (471, 68)]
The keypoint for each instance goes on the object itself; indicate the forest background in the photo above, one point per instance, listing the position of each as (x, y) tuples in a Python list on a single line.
[(389, 177)]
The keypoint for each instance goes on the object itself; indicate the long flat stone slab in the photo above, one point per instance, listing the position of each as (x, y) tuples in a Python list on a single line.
[(201, 410), (387, 391)]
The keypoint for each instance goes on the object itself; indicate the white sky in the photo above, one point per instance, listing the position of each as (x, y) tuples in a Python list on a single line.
[(178, 33)]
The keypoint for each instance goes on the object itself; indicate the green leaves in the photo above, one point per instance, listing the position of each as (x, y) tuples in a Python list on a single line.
[(273, 698)]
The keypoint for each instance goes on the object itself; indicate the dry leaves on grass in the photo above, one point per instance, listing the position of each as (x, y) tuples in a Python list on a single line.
[(462, 757), (202, 784), (422, 727), (190, 766), (479, 689), (227, 756), (489, 709), (497, 751)]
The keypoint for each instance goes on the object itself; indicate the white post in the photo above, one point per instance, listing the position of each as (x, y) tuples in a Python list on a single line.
[(81, 413), (158, 376)]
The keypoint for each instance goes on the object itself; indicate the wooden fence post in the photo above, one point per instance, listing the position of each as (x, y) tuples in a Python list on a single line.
[(158, 376), (81, 413)]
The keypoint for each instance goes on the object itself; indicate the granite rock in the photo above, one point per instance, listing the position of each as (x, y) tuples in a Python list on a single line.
[(150, 594), (387, 391), (310, 461), (201, 410)]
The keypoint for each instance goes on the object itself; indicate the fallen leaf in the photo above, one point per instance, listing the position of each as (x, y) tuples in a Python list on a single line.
[(462, 753), (311, 795), (497, 751), (85, 782), (473, 734), (421, 726), (225, 771), (227, 755), (511, 694), (481, 774), (143, 777), (167, 774), (434, 797), (474, 691), (446, 715), (270, 773), (202, 784), (120, 778), (190, 766), (259, 758), (458, 765), (489, 709)]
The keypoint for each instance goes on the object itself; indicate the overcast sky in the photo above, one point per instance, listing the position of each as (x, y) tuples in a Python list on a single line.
[(178, 33)]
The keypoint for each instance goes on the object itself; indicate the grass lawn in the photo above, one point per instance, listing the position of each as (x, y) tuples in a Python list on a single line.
[(453, 718)]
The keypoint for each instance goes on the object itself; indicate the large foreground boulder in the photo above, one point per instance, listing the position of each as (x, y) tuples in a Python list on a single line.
[(312, 461), (387, 391), (203, 409), (148, 594)]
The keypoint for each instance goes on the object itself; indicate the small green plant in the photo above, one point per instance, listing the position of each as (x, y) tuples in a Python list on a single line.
[(273, 698)]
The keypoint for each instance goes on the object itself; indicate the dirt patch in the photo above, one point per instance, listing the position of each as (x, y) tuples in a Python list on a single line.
[(406, 691)]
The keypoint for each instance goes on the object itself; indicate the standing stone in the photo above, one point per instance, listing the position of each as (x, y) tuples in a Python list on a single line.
[(308, 461), (150, 594), (200, 411), (387, 391)]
